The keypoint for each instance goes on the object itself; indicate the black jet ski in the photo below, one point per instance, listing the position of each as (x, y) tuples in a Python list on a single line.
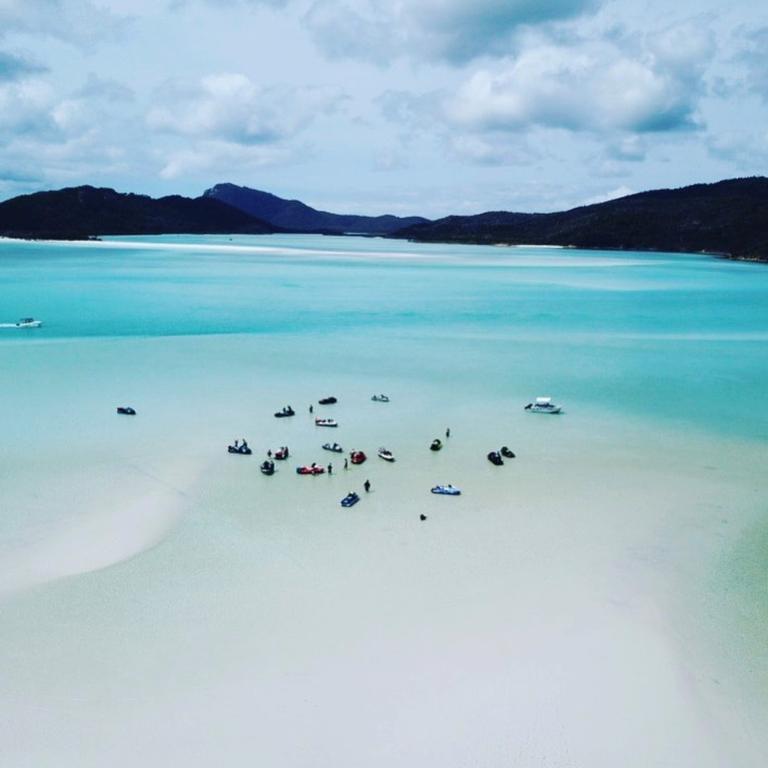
[(126, 410), (243, 449), (267, 467), (327, 400), (495, 458), (285, 412)]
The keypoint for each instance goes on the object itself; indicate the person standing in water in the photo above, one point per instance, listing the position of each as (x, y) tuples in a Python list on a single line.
[(448, 432), (330, 469), (367, 486), (311, 408), (346, 464)]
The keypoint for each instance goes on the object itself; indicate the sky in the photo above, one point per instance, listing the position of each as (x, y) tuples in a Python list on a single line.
[(426, 107)]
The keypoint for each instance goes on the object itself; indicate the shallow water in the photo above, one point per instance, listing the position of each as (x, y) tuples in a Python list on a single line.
[(602, 571)]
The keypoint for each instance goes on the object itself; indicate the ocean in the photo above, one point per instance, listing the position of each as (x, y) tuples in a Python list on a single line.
[(164, 602)]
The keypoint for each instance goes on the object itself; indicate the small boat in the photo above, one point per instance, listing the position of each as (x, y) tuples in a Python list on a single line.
[(327, 400), (29, 322), (126, 410), (312, 469), (543, 405), (446, 490), (285, 412), (267, 467), (506, 453), (386, 454), (380, 399), (281, 454), (243, 449), (335, 447), (350, 500), (326, 423), (357, 457), (437, 445), (495, 458)]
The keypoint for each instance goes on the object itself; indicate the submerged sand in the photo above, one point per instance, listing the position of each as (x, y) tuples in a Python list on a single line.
[(165, 603)]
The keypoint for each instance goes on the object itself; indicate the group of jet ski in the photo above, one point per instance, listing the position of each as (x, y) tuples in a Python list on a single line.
[(495, 457)]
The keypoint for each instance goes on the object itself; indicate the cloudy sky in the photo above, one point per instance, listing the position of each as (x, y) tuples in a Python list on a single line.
[(403, 106)]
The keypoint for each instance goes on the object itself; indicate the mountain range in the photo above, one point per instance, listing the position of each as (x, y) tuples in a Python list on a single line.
[(728, 218), (295, 216)]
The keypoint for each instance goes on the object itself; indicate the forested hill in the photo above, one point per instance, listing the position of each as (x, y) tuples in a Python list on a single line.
[(728, 217), (296, 216), (81, 212)]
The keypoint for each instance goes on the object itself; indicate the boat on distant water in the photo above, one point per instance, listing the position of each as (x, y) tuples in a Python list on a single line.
[(386, 454), (446, 490), (380, 399), (326, 423), (543, 405), (335, 447), (24, 322), (327, 400), (285, 412)]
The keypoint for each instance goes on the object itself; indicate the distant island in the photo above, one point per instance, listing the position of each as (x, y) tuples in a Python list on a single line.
[(727, 218)]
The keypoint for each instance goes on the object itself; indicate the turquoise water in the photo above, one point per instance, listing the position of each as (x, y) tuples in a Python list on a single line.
[(675, 337)]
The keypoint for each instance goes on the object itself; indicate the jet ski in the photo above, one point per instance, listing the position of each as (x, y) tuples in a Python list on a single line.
[(543, 405), (326, 423), (506, 452), (267, 467), (437, 445), (285, 412), (380, 399), (243, 449), (312, 469), (126, 410), (327, 400), (335, 447), (350, 500), (495, 458), (386, 454), (281, 454), (446, 490), (357, 457)]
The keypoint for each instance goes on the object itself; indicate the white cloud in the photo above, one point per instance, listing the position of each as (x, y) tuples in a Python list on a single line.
[(454, 31), (230, 107), (80, 22), (588, 85)]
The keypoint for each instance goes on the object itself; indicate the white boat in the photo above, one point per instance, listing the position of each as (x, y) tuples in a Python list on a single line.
[(380, 399), (25, 322), (543, 405), (386, 454)]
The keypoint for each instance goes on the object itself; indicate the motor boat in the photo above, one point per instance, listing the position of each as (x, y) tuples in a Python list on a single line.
[(326, 423), (126, 410), (357, 457), (436, 445), (285, 412), (267, 467), (543, 405), (506, 453), (29, 322), (495, 458), (335, 447), (446, 490), (380, 399), (350, 500), (243, 449), (312, 469), (327, 400), (281, 454), (386, 454)]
